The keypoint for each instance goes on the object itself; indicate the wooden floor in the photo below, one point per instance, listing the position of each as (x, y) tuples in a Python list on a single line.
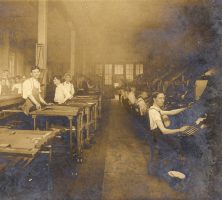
[(115, 168)]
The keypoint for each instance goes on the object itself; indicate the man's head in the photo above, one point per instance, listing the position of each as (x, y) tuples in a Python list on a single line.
[(158, 99), (5, 74), (18, 79), (132, 89), (67, 77), (35, 72), (144, 94), (57, 79)]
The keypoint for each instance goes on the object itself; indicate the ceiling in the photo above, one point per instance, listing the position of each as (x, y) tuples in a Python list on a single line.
[(111, 28)]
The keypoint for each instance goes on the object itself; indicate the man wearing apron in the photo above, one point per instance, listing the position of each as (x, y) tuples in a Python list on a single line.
[(32, 92), (162, 136)]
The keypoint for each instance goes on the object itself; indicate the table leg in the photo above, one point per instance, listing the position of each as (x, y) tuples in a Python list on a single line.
[(71, 138), (100, 107), (79, 136), (87, 125), (47, 124), (34, 121), (95, 116)]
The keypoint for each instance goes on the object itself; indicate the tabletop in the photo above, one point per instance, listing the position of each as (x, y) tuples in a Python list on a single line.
[(24, 142), (56, 110)]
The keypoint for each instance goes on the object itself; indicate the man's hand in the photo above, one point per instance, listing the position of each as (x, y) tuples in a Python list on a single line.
[(49, 104), (38, 106), (183, 128)]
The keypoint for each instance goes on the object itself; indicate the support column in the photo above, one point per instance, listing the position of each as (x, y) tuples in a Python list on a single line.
[(73, 53), (72, 49), (41, 46)]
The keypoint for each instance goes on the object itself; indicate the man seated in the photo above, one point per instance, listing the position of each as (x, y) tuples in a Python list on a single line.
[(61, 94), (68, 85), (157, 116), (164, 144), (141, 103)]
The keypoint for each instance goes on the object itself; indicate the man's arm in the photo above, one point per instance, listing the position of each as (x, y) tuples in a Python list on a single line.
[(172, 112), (42, 100), (169, 131)]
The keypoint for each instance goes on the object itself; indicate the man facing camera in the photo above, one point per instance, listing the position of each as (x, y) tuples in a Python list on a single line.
[(32, 92), (68, 85), (61, 93)]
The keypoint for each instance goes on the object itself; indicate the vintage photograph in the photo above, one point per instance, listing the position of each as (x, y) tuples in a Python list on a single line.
[(110, 99)]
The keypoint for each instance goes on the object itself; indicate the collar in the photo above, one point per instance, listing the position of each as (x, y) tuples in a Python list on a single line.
[(156, 108)]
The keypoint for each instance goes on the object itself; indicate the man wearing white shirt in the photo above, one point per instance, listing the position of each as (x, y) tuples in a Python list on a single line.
[(68, 85), (61, 94), (142, 104), (131, 96), (32, 92)]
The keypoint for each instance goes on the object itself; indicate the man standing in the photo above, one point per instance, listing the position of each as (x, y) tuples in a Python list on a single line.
[(32, 92)]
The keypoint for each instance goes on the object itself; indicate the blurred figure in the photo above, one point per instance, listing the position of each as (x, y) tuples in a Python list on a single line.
[(132, 96), (5, 89), (17, 86), (68, 85), (141, 103), (5, 75)]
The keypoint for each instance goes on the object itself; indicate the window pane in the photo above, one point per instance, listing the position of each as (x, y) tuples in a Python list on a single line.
[(129, 72), (108, 74), (99, 70), (139, 69), (118, 69)]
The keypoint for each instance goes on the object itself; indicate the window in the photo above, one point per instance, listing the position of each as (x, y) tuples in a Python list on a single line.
[(139, 69), (129, 72), (99, 70), (108, 74), (119, 69)]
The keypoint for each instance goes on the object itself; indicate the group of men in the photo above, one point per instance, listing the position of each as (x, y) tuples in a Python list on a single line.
[(157, 116), (10, 85)]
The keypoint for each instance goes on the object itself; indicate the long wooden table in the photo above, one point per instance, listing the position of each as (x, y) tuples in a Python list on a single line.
[(18, 149), (8, 100), (90, 110), (91, 98), (70, 113), (24, 142)]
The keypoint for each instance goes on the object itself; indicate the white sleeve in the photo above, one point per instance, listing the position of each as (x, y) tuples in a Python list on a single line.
[(155, 115), (72, 89), (27, 89), (66, 92)]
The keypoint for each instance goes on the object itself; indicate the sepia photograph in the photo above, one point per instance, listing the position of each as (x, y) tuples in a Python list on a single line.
[(110, 99)]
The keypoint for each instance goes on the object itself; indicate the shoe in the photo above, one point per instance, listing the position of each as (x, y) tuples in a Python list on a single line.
[(176, 174)]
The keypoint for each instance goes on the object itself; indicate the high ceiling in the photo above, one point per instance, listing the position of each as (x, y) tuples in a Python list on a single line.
[(110, 28)]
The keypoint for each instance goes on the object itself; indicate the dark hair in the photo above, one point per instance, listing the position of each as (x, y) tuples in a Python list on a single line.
[(155, 94), (35, 67), (18, 76), (58, 77)]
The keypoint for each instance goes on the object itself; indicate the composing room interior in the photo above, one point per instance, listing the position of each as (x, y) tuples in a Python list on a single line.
[(110, 99)]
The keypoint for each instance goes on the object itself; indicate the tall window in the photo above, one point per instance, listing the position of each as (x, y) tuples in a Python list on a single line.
[(119, 69), (99, 69), (108, 74), (129, 72), (139, 69)]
